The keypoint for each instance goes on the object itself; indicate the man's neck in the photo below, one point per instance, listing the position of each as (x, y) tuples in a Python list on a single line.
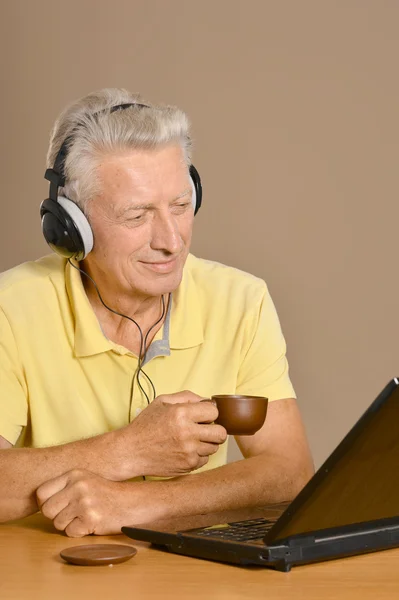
[(145, 311)]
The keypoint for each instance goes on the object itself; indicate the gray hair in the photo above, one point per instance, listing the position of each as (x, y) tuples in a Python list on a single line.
[(93, 131)]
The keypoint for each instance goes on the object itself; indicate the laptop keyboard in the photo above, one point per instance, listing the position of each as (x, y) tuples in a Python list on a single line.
[(241, 531)]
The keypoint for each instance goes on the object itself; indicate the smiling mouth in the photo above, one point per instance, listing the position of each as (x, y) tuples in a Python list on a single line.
[(162, 267)]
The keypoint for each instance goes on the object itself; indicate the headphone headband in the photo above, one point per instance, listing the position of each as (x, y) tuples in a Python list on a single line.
[(56, 175)]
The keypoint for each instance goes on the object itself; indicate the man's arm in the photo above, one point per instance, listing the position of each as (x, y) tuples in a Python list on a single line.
[(172, 436), (277, 465), (23, 470)]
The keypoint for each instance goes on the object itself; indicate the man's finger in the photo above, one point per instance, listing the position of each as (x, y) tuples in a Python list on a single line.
[(214, 434), (64, 517), (185, 397), (55, 504), (78, 528), (51, 487), (204, 412), (207, 449)]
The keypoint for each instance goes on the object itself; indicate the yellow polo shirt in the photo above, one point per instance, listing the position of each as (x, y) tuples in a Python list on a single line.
[(62, 380)]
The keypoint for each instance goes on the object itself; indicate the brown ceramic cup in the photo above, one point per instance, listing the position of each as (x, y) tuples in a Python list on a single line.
[(240, 415)]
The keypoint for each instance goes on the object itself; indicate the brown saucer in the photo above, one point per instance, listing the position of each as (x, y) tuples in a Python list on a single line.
[(98, 554)]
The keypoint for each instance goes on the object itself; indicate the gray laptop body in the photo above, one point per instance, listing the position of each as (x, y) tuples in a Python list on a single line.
[(349, 507)]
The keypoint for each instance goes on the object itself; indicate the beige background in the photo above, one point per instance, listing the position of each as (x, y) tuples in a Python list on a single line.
[(295, 113)]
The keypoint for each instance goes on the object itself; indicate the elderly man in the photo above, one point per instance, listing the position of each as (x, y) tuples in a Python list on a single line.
[(108, 345)]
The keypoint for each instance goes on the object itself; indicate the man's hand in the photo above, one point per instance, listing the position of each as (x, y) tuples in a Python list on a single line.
[(277, 466), (174, 435), (80, 503)]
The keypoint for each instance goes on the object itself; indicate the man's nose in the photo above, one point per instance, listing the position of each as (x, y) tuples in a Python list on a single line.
[(165, 234)]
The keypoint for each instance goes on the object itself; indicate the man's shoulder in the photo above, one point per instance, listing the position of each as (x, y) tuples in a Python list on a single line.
[(217, 278), (30, 277)]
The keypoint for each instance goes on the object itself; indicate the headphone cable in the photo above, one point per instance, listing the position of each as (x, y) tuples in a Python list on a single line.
[(143, 343), (142, 360)]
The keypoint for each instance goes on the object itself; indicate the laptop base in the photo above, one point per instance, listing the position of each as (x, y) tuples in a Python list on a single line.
[(328, 545)]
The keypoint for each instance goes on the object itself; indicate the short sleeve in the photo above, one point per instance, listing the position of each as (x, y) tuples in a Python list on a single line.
[(264, 367), (13, 397)]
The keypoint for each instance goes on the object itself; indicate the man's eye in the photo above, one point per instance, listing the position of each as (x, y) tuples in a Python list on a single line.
[(134, 220)]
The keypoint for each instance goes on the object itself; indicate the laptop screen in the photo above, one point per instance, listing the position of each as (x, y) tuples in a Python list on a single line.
[(358, 482)]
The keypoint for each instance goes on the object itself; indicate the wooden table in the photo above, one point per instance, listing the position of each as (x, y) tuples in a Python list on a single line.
[(31, 569)]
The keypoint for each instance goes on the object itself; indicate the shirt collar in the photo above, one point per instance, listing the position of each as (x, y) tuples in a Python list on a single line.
[(89, 337)]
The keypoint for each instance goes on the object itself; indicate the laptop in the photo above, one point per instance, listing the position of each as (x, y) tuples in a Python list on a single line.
[(349, 507)]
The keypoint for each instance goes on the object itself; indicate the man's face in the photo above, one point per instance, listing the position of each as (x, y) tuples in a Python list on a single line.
[(142, 221)]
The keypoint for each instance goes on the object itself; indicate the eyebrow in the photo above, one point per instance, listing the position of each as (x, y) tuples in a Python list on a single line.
[(148, 206)]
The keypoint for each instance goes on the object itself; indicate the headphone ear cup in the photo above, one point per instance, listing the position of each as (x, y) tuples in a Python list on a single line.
[(65, 228), (197, 188)]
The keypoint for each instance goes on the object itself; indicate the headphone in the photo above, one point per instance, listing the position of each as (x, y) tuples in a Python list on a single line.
[(64, 225)]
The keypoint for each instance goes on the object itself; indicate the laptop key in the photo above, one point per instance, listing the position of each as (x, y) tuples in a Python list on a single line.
[(240, 531)]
